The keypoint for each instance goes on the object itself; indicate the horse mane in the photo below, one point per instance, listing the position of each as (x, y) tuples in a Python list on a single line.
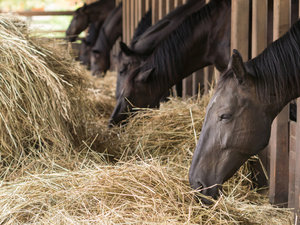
[(276, 70), (170, 49), (104, 38), (143, 25)]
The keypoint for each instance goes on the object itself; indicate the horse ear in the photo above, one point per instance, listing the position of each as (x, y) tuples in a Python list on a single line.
[(237, 65), (126, 49), (145, 75)]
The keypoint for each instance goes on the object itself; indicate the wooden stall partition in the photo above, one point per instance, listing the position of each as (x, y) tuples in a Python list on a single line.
[(240, 26), (155, 11), (132, 17), (297, 168), (297, 164), (170, 5), (126, 19), (259, 43), (279, 141), (187, 83)]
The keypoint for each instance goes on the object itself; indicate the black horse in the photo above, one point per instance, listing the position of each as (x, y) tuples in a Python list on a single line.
[(87, 44), (110, 31), (125, 61), (83, 16), (202, 39)]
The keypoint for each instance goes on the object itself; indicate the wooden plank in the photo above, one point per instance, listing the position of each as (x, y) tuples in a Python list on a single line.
[(136, 13), (44, 13), (132, 18), (297, 167), (155, 11), (142, 8), (178, 2), (162, 9), (197, 82), (279, 167), (126, 20), (240, 26), (259, 43), (217, 75), (259, 26), (292, 163), (170, 5)]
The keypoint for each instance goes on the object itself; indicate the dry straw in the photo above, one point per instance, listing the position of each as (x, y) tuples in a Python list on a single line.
[(44, 107), (54, 144)]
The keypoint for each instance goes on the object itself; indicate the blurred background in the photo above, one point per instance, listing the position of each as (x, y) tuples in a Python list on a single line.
[(49, 18)]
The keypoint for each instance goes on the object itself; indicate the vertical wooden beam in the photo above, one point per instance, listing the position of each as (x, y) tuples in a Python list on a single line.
[(217, 75), (259, 26), (142, 9), (297, 166), (155, 11), (132, 18), (148, 4), (279, 141), (240, 26), (297, 169), (292, 163), (198, 80), (128, 21), (259, 43), (136, 13), (178, 2), (187, 83), (162, 9), (169, 5)]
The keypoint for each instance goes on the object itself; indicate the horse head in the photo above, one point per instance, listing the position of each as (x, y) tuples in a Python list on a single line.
[(237, 125), (79, 22), (136, 86)]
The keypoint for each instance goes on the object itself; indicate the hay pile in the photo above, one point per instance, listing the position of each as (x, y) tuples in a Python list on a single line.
[(55, 167), (138, 193), (43, 99)]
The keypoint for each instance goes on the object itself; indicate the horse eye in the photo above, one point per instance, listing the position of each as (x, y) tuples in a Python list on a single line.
[(225, 116)]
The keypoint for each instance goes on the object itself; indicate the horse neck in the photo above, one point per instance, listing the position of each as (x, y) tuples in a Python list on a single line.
[(113, 29), (96, 10), (276, 71), (208, 42)]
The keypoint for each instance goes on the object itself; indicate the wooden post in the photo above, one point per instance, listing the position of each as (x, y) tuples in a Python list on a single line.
[(297, 165), (142, 9), (297, 169), (169, 5), (259, 26), (187, 83), (198, 78), (148, 5), (162, 9), (126, 21), (259, 43), (217, 75), (132, 18), (155, 11), (240, 26), (279, 167)]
